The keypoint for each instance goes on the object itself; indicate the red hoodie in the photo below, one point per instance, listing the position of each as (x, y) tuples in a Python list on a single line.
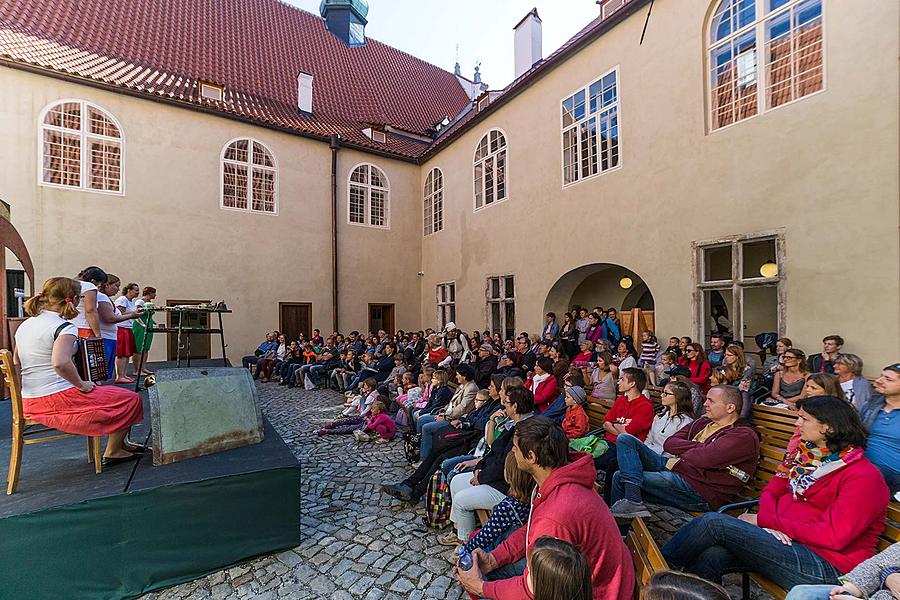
[(839, 517), (636, 415), (591, 528)]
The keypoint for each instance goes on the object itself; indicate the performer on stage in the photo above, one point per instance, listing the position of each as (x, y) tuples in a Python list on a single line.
[(53, 393), (87, 319), (125, 345), (142, 328)]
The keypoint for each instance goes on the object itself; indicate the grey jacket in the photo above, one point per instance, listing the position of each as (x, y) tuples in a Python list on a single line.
[(462, 402), (869, 411), (862, 392), (867, 575)]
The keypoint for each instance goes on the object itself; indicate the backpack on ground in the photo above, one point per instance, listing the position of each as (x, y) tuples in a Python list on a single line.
[(411, 443), (437, 502)]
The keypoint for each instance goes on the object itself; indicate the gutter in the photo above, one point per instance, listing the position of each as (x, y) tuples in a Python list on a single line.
[(335, 145)]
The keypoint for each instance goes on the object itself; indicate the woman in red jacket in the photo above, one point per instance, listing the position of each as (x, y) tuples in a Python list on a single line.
[(816, 521), (542, 384), (698, 366)]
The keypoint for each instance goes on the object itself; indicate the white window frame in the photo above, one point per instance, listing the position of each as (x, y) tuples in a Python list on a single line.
[(492, 156), (576, 127), (446, 308), (84, 136), (758, 27), (250, 166), (737, 283), (431, 202), (367, 189), (212, 91), (502, 301)]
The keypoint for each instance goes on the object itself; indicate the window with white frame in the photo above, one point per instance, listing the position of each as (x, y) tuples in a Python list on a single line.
[(446, 303), (501, 305), (249, 177), (791, 63), (590, 129), (740, 286), (81, 147), (434, 202), (369, 201), (490, 169)]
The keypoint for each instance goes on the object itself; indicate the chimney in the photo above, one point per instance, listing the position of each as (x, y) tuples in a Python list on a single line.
[(346, 19), (527, 42), (304, 92)]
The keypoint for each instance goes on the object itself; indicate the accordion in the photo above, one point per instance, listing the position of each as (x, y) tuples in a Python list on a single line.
[(90, 360)]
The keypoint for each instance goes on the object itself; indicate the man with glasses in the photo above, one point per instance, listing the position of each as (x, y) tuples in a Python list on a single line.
[(706, 464)]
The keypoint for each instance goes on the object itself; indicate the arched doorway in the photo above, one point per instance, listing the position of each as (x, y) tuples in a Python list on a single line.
[(607, 285), (12, 241)]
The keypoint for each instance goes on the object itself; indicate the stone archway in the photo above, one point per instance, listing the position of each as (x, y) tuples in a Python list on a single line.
[(12, 241)]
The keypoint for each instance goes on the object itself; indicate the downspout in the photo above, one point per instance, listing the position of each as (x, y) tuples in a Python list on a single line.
[(335, 144)]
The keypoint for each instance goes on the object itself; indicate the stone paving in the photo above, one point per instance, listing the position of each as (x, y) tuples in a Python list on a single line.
[(356, 543)]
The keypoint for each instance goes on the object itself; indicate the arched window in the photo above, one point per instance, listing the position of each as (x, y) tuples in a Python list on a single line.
[(434, 202), (790, 35), (81, 147), (490, 169), (369, 197), (249, 177)]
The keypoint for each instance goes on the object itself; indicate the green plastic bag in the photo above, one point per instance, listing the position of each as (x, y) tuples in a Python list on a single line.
[(591, 444)]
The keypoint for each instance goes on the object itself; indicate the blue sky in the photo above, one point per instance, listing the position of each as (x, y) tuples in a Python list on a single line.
[(431, 29)]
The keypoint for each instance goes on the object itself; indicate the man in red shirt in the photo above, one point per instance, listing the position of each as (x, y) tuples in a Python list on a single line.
[(632, 413), (564, 506)]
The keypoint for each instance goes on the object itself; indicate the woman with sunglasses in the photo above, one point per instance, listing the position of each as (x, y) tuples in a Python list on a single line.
[(790, 381), (696, 363)]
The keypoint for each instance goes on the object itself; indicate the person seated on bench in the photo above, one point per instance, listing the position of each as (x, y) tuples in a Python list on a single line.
[(881, 418), (566, 507), (877, 579), (461, 403), (707, 457), (817, 521), (53, 394)]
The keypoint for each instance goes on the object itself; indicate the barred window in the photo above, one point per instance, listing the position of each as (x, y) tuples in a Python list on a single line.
[(446, 303), (590, 129), (81, 147), (490, 169), (501, 305), (434, 202), (368, 197), (249, 177), (791, 62)]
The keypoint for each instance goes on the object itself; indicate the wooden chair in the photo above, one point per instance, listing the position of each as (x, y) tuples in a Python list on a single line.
[(25, 431), (648, 558)]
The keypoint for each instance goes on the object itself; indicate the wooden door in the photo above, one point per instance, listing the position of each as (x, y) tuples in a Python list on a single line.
[(295, 318), (199, 343), (381, 316)]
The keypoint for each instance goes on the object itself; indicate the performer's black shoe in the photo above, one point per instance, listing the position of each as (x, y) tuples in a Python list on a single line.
[(135, 447), (111, 462)]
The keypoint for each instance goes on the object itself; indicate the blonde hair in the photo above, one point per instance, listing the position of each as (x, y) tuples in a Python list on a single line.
[(110, 278), (57, 295), (441, 376)]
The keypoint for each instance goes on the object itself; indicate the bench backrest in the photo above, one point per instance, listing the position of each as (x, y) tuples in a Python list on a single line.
[(647, 557), (891, 533)]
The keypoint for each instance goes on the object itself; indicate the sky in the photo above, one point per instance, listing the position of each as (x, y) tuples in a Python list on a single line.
[(481, 29)]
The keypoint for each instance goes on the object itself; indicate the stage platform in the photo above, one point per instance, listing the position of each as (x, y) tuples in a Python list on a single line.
[(69, 533)]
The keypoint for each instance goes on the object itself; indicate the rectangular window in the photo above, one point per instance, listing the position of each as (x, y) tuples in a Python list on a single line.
[(590, 129), (794, 53), (501, 305), (740, 285), (446, 303), (211, 91)]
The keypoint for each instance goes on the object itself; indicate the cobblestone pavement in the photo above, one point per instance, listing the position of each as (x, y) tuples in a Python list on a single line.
[(356, 543)]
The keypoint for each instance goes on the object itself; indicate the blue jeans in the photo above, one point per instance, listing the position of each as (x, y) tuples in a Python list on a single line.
[(509, 571), (109, 349), (642, 472), (714, 544), (809, 592), (249, 360), (428, 431), (422, 420), (449, 465), (315, 373)]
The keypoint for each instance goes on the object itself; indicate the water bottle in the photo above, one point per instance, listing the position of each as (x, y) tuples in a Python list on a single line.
[(738, 473), (464, 561)]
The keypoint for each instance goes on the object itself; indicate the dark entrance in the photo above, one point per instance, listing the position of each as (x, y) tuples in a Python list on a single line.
[(381, 316), (295, 318)]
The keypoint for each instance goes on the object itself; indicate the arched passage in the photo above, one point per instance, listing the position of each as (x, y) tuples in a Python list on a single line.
[(11, 240)]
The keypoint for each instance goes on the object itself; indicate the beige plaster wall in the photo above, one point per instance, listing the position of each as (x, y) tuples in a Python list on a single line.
[(168, 230), (823, 168)]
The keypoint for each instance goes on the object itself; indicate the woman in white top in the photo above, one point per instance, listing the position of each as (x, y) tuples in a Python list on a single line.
[(87, 320), (125, 346), (678, 411), (109, 320), (53, 393)]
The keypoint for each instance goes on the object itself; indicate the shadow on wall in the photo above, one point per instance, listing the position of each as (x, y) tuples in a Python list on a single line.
[(599, 284)]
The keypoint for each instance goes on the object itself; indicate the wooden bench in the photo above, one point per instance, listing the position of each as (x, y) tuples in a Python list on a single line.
[(647, 557)]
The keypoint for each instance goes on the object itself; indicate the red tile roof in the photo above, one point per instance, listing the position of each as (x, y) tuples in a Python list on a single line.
[(254, 48)]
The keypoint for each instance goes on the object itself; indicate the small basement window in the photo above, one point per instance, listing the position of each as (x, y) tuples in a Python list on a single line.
[(211, 91)]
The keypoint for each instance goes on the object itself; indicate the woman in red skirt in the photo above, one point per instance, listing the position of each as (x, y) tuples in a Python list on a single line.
[(53, 393)]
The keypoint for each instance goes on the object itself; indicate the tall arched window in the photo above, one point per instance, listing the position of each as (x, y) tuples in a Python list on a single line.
[(81, 147), (249, 177), (369, 197), (790, 35), (490, 169), (434, 202)]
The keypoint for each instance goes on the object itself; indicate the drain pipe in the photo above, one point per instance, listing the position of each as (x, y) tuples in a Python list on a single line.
[(335, 144)]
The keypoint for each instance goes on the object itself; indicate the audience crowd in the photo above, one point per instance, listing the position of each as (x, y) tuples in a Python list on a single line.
[(501, 426)]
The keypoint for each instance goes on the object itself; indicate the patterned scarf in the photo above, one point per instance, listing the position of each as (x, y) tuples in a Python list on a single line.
[(810, 464)]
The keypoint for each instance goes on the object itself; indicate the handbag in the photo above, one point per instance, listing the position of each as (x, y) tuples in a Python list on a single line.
[(437, 502), (590, 444), (451, 437)]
